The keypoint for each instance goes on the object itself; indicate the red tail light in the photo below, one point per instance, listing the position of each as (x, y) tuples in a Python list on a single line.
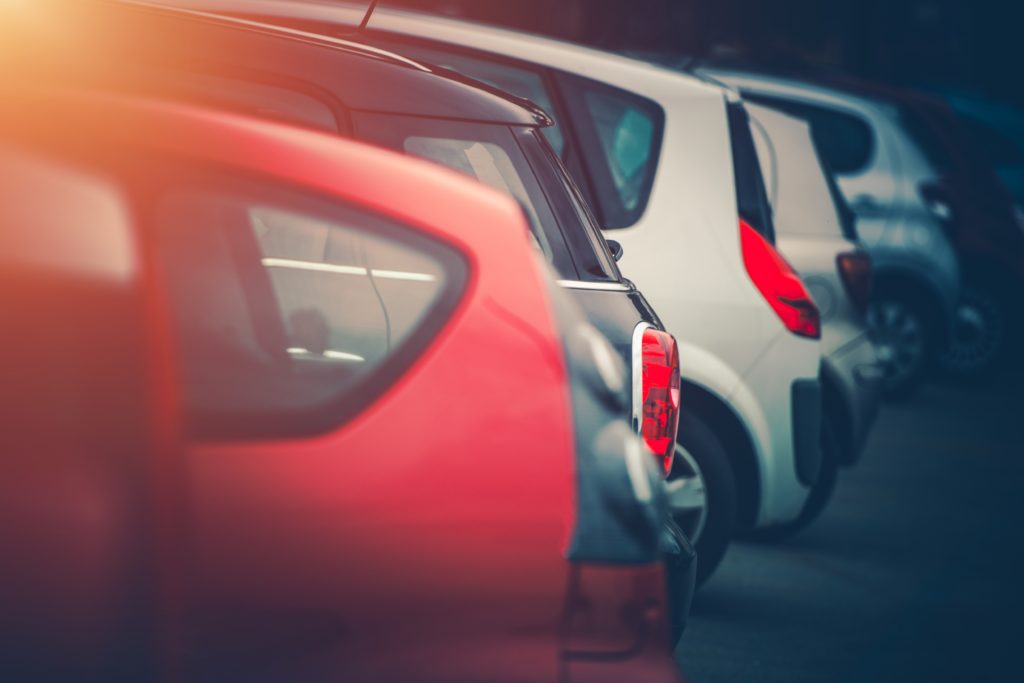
[(779, 284), (856, 272), (656, 392)]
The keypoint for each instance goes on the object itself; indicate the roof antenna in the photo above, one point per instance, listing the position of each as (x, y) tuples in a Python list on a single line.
[(366, 17)]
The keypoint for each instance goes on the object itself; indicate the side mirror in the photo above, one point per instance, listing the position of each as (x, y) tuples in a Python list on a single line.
[(616, 249)]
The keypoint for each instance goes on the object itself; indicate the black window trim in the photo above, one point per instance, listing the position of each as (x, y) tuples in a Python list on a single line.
[(572, 227), (740, 132)]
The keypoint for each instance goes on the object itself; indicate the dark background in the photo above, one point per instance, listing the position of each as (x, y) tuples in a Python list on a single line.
[(970, 44)]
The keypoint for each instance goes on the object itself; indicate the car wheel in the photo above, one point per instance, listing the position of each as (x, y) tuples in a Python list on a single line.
[(979, 335), (702, 493), (900, 331), (820, 494)]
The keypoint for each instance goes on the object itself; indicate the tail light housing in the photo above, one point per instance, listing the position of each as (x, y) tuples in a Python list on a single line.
[(656, 386), (779, 284), (856, 272)]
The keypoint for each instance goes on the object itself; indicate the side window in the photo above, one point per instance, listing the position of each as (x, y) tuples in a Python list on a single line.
[(289, 320), (486, 162), (844, 141), (620, 141), (489, 153), (517, 81)]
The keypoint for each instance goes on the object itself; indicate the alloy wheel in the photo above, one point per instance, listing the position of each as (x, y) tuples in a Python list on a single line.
[(899, 335), (978, 334)]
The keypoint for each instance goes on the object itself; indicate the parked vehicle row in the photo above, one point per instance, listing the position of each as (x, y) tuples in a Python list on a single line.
[(688, 224), (427, 350)]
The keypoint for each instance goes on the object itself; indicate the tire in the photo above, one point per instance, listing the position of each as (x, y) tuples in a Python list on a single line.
[(979, 338), (702, 471), (903, 333), (821, 492)]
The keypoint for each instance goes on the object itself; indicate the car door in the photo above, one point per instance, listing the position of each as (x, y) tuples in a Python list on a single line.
[(364, 504)]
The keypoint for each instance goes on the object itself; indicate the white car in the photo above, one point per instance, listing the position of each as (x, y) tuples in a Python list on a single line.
[(819, 240), (888, 181), (654, 152)]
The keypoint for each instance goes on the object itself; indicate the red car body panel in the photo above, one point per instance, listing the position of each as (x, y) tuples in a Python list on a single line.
[(422, 540)]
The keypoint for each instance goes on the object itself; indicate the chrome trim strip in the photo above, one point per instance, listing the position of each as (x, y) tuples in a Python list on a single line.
[(599, 286), (637, 349)]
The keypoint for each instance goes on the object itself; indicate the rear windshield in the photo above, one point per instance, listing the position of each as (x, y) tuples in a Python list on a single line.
[(751, 197), (292, 314)]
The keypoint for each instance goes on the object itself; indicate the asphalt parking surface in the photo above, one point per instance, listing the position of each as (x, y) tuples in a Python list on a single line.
[(914, 573)]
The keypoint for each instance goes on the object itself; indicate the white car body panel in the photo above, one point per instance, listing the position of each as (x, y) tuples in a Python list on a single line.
[(810, 235), (901, 234)]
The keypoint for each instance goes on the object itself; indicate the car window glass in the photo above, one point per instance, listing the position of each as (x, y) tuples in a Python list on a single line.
[(484, 161), (620, 139), (627, 138), (844, 141), (288, 319), (519, 82), (489, 153)]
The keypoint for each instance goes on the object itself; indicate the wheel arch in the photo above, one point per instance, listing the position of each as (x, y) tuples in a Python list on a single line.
[(739, 447)]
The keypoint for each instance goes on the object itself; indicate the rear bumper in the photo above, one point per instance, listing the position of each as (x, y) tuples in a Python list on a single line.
[(805, 397), (855, 375)]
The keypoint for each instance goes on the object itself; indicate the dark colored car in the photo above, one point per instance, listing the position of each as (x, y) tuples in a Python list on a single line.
[(981, 219), (352, 90), (986, 228), (255, 423)]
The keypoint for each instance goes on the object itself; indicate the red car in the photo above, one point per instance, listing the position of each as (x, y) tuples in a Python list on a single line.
[(277, 409)]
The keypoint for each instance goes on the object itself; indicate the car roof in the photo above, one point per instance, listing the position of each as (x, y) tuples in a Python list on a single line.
[(833, 92), (367, 78), (578, 59), (335, 167)]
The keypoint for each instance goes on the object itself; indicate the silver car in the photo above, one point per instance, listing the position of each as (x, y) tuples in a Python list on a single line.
[(818, 240), (885, 178)]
